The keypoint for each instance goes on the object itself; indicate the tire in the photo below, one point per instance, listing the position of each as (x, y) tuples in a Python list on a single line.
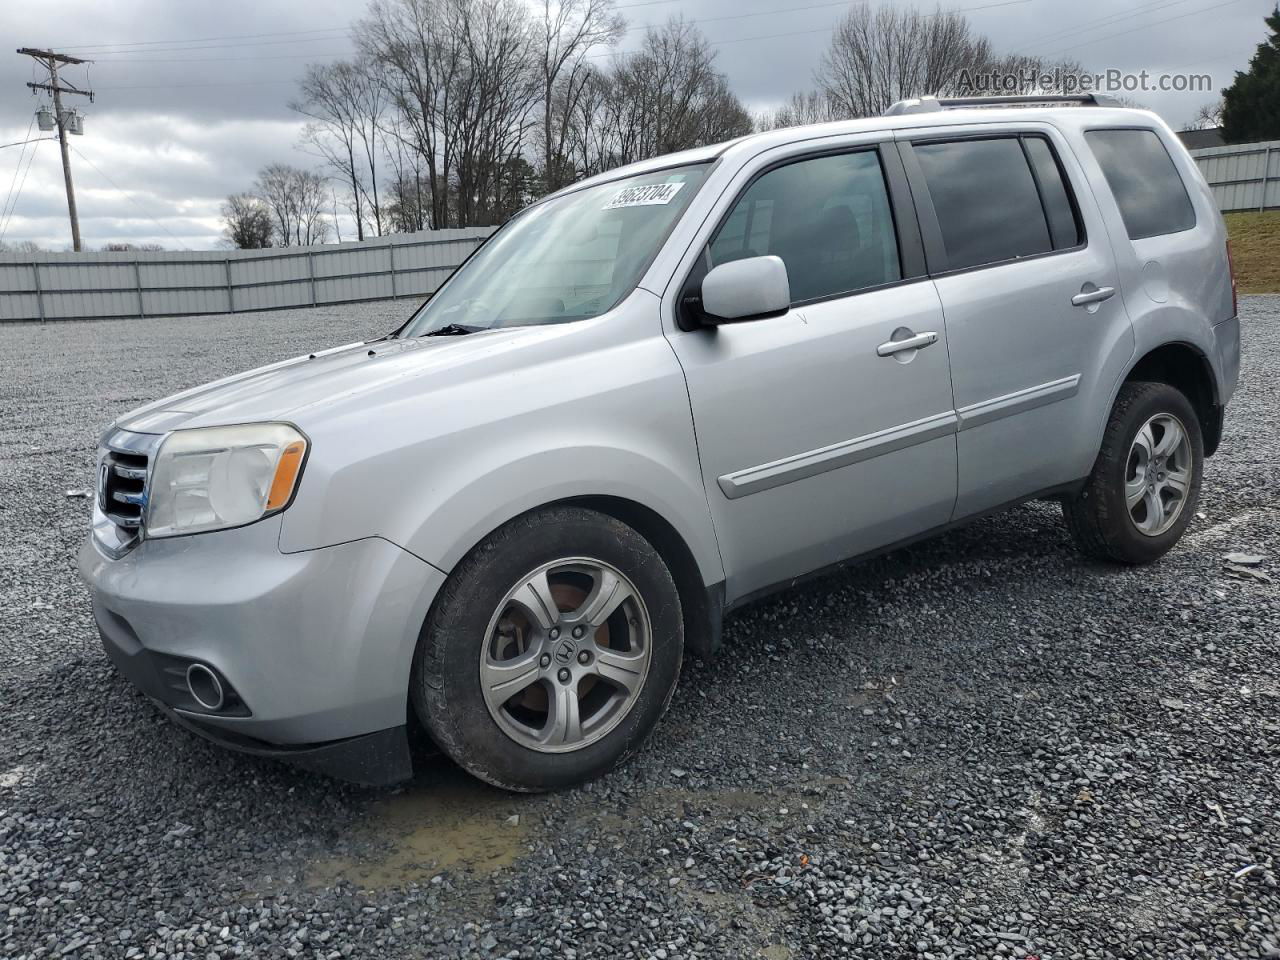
[(489, 632), (1101, 520)]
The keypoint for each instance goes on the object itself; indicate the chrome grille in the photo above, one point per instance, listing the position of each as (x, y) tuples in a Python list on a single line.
[(122, 488)]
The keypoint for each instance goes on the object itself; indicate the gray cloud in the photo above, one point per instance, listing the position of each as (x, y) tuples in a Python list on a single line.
[(178, 130)]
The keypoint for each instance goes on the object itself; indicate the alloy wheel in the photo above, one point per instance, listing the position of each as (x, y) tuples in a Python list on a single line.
[(1158, 474), (565, 655)]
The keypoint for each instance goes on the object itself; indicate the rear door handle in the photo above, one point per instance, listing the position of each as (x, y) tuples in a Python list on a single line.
[(1093, 296), (915, 342)]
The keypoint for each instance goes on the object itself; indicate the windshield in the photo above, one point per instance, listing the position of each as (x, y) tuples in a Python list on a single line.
[(567, 259)]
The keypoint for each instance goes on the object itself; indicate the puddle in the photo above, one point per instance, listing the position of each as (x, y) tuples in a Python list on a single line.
[(446, 821)]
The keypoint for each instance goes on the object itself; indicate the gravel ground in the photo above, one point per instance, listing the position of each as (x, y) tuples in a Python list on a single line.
[(982, 746)]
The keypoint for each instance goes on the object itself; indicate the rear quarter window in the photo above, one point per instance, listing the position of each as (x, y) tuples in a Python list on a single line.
[(1152, 198)]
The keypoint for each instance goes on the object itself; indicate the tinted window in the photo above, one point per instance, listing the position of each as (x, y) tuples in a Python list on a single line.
[(1152, 197), (1064, 228), (827, 218), (986, 200)]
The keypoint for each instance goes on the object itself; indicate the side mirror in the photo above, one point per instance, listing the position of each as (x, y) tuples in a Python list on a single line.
[(749, 289)]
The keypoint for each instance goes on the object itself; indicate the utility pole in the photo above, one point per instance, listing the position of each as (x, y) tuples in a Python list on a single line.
[(50, 60)]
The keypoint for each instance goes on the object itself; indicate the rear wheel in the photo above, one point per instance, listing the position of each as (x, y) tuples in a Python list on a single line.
[(551, 652), (1145, 484)]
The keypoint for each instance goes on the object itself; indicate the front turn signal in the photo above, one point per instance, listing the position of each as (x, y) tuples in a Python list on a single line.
[(287, 470)]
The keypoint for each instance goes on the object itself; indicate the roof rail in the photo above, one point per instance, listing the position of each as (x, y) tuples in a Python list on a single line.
[(934, 104)]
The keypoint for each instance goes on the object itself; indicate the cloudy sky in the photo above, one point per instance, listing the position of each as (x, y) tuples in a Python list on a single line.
[(192, 98)]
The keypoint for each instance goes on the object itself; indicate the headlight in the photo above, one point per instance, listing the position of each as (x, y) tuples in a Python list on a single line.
[(211, 478)]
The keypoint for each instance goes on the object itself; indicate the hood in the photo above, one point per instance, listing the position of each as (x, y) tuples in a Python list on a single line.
[(287, 390)]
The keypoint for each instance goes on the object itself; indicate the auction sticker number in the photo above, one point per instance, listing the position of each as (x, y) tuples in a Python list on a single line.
[(648, 195)]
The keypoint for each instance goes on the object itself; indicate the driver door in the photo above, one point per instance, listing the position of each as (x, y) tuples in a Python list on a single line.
[(818, 439)]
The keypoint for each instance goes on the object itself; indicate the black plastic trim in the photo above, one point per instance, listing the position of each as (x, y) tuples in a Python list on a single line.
[(377, 759)]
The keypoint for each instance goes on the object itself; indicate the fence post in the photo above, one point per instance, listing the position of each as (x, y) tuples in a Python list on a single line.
[(35, 271), (311, 274), (1266, 168), (137, 279), (231, 302), (392, 248)]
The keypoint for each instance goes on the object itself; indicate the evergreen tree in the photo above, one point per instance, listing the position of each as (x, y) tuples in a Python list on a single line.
[(1251, 105)]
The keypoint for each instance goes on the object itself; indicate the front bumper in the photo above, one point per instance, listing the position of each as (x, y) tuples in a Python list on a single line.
[(315, 647)]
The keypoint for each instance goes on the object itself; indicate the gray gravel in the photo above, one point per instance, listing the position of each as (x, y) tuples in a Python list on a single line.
[(982, 746)]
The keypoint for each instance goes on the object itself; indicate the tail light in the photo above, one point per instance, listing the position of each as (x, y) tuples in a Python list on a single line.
[(1235, 293)]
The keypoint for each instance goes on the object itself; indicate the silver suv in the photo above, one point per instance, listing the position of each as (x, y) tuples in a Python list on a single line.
[(649, 399)]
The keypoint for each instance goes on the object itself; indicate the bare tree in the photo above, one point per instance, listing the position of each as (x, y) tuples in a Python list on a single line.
[(1208, 117), (567, 30), (295, 199), (345, 104), (667, 96), (419, 56), (880, 56), (408, 204), (803, 108), (496, 91), (246, 222)]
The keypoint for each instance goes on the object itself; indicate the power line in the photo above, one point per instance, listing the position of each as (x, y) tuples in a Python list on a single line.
[(1146, 26), (636, 27), (196, 48), (16, 170), (1099, 23), (4, 227), (281, 56), (346, 29), (129, 197), (240, 36), (19, 143), (826, 29)]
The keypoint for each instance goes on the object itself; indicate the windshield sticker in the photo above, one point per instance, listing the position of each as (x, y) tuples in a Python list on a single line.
[(648, 195)]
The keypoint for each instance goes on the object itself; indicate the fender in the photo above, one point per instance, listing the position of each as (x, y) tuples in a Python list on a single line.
[(433, 463), (1172, 325)]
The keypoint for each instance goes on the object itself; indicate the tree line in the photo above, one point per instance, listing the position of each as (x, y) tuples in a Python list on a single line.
[(458, 113)]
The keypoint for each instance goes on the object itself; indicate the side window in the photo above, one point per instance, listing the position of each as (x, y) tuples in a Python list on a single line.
[(986, 200), (1151, 195), (1064, 225), (828, 218)]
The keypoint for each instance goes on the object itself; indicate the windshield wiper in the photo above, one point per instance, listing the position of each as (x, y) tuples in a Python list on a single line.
[(453, 330)]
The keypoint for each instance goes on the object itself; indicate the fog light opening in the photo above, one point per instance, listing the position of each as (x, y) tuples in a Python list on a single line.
[(205, 687)]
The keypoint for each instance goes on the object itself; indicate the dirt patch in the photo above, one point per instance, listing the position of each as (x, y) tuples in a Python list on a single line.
[(449, 822)]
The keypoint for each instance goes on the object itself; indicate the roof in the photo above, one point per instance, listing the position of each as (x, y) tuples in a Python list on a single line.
[(905, 121)]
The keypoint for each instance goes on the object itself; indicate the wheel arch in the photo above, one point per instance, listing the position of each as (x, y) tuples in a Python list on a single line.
[(702, 605), (1186, 368)]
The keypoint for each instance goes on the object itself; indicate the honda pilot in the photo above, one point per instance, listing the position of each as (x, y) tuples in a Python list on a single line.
[(655, 396)]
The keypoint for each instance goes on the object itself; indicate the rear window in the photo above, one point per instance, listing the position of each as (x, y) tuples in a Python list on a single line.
[(1152, 197), (986, 199)]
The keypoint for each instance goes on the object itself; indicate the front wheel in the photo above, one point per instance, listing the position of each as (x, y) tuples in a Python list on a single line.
[(1145, 484), (551, 652)]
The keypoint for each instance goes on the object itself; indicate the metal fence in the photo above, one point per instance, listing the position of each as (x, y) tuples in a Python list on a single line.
[(66, 286), (1243, 176)]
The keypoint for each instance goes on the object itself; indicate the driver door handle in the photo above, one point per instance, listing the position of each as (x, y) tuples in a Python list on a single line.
[(1093, 296), (916, 342)]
